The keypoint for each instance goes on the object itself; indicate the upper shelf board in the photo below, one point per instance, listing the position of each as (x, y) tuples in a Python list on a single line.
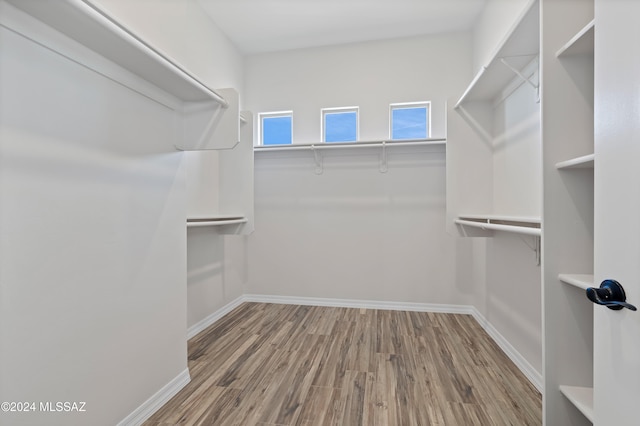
[(88, 24), (348, 145), (521, 45), (215, 220), (580, 44), (584, 162), (582, 399)]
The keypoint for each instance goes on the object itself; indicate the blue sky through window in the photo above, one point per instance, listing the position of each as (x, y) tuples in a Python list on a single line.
[(340, 126), (276, 130), (409, 123)]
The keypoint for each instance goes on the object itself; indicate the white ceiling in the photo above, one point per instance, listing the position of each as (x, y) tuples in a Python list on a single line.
[(256, 26)]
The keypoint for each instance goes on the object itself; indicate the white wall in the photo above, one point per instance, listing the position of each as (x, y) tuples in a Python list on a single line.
[(496, 19), (93, 248), (369, 75), (93, 199), (353, 232)]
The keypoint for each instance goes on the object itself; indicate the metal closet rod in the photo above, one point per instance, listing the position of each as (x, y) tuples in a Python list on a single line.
[(89, 9), (345, 145)]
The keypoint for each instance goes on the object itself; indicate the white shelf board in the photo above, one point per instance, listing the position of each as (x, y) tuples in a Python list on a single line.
[(580, 44), (581, 397), (215, 220), (584, 162), (505, 218), (582, 281), (348, 145), (92, 26), (498, 227), (521, 45)]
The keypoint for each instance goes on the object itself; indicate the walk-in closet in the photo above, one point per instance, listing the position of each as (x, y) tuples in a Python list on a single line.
[(308, 213)]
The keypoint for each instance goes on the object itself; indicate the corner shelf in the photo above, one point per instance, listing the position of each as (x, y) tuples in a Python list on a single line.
[(582, 281), (584, 162), (581, 398), (580, 44), (520, 47), (219, 220), (519, 225)]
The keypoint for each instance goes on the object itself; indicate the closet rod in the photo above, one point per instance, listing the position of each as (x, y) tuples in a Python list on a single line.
[(497, 227), (92, 11), (346, 145)]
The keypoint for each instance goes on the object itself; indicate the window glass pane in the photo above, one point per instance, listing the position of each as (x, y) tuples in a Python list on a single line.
[(276, 130), (409, 123), (340, 126)]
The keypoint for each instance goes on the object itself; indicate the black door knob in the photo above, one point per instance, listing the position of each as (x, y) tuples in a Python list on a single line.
[(610, 294)]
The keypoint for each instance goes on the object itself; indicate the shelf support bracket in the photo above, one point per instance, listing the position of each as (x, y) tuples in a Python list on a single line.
[(537, 248), (523, 77), (318, 159), (383, 158)]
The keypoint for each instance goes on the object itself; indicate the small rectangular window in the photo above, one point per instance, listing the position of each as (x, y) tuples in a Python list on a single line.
[(410, 120), (276, 128), (340, 124)]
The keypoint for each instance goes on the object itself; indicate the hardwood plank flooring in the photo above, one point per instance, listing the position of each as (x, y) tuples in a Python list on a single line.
[(269, 364)]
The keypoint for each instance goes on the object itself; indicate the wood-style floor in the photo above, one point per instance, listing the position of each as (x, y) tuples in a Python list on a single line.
[(268, 364)]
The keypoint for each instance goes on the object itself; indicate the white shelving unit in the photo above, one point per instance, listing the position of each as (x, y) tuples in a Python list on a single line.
[(220, 186), (494, 177), (492, 167), (210, 117), (567, 51)]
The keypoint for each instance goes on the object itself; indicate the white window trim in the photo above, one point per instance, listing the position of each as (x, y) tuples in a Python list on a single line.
[(325, 111), (401, 105), (272, 114)]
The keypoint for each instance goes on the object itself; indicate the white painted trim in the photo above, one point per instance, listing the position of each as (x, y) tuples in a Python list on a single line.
[(153, 404), (520, 361), (366, 304), (206, 322), (527, 369)]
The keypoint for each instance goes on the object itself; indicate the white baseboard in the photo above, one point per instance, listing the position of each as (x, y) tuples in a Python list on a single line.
[(206, 322), (527, 369), (153, 404)]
